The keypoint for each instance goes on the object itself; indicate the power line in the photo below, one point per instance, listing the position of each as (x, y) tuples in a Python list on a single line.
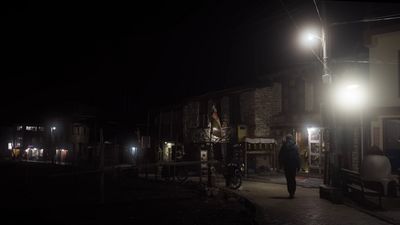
[(288, 13), (316, 55), (366, 20), (316, 8), (391, 15)]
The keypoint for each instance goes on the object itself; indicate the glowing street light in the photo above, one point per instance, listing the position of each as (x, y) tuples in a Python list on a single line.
[(350, 97), (309, 38), (133, 150)]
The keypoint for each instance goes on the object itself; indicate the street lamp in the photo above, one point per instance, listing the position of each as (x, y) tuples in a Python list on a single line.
[(134, 154), (330, 189), (309, 38), (352, 97), (349, 96), (52, 146), (133, 150)]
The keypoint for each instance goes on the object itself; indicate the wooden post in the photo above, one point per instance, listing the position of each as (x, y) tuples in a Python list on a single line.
[(245, 159)]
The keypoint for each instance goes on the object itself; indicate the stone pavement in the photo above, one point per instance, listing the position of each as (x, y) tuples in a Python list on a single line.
[(278, 178), (306, 208)]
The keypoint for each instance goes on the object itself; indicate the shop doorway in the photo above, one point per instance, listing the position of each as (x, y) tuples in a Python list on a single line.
[(310, 145)]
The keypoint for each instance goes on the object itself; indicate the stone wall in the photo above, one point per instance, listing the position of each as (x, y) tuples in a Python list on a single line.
[(276, 101), (257, 107), (262, 111), (247, 108)]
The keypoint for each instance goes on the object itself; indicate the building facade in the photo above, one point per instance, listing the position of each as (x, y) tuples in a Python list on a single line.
[(299, 114), (239, 114), (383, 126), (74, 140)]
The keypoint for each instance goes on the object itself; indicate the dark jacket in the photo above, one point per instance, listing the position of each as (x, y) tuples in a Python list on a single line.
[(289, 155)]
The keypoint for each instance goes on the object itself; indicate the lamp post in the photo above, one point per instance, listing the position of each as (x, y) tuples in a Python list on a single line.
[(330, 188), (52, 143), (348, 96), (134, 155)]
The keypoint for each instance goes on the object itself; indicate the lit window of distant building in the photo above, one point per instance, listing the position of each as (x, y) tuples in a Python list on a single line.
[(20, 127), (31, 128)]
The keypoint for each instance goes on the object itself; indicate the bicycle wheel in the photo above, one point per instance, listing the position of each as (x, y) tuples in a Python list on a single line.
[(182, 175)]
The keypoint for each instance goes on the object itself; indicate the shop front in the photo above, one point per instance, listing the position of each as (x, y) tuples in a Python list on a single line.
[(33, 153), (309, 139), (61, 155)]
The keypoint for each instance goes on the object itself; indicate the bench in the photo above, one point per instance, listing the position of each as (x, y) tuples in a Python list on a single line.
[(352, 182)]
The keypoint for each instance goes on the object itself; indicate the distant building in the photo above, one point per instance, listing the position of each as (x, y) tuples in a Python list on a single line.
[(71, 140)]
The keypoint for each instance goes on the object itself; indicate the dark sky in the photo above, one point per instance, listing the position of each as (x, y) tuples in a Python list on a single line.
[(122, 59)]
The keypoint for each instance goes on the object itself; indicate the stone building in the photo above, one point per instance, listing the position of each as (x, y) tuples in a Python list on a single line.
[(298, 113), (242, 113)]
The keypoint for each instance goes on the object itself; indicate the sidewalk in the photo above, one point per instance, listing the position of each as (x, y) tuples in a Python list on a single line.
[(306, 208), (302, 180)]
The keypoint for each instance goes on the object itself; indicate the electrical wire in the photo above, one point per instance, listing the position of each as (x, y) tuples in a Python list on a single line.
[(289, 15), (294, 23), (391, 15), (366, 20), (317, 56), (316, 8)]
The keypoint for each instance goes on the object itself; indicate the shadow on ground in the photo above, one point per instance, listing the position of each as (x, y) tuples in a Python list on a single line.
[(33, 196)]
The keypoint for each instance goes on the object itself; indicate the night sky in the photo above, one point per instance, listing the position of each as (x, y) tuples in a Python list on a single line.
[(123, 59)]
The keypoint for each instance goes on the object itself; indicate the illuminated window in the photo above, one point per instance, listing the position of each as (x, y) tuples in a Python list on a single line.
[(10, 145), (20, 127), (31, 128)]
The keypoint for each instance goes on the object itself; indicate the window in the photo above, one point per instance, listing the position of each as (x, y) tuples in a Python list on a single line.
[(31, 128), (20, 127), (75, 131)]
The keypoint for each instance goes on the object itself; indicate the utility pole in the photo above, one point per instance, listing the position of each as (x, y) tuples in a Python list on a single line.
[(331, 187), (211, 168), (101, 166)]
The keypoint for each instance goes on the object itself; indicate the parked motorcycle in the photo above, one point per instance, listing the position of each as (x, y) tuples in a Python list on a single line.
[(233, 175)]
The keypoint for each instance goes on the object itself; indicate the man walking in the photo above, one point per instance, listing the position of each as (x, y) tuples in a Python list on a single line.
[(290, 161)]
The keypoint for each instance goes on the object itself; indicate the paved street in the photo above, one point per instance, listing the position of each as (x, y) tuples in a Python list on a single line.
[(305, 208)]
